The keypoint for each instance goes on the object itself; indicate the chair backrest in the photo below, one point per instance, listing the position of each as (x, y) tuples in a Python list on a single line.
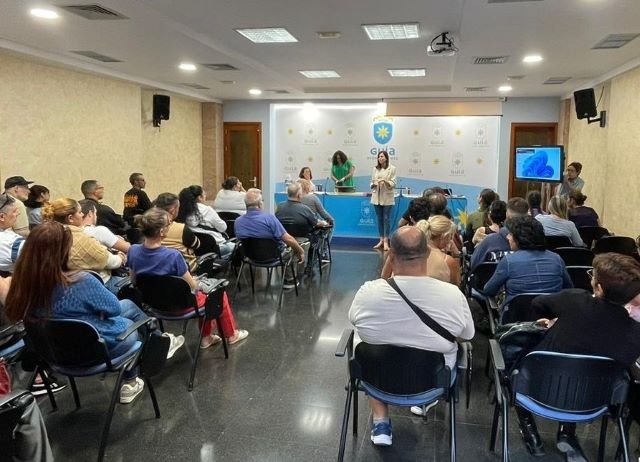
[(573, 383), (520, 309), (66, 342), (481, 274), (261, 250), (297, 229), (166, 293), (590, 234), (208, 244), (553, 242), (579, 277), (230, 219), (618, 244), (399, 370), (575, 256)]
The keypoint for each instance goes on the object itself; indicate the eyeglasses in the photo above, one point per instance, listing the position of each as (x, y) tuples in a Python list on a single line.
[(590, 273)]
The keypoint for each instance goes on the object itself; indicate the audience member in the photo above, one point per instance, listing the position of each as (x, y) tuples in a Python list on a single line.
[(381, 316), (100, 233), (497, 242), (534, 199), (312, 201), (178, 236), (557, 224), (200, 218), (260, 224), (586, 324), (293, 211), (480, 217), (497, 216), (440, 232), (11, 243), (530, 268), (154, 259), (18, 188), (231, 197), (571, 180), (94, 191), (136, 201), (38, 196), (580, 214)]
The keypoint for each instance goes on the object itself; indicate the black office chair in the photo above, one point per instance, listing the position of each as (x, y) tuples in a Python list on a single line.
[(74, 348), (618, 244), (560, 387), (314, 238), (210, 261), (519, 309), (590, 234), (553, 242), (395, 375), (575, 256), (475, 283), (265, 253), (169, 298), (230, 219), (580, 277)]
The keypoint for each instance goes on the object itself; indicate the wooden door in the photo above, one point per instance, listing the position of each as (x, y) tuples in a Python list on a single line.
[(527, 134), (243, 152)]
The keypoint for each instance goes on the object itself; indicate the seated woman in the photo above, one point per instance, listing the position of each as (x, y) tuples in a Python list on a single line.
[(38, 196), (305, 174), (152, 258), (480, 217), (531, 268), (557, 224), (534, 199), (580, 214), (200, 218), (231, 197), (440, 232), (497, 216), (86, 252), (43, 287)]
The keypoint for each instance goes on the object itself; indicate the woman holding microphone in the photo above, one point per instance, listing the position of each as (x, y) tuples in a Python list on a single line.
[(383, 182)]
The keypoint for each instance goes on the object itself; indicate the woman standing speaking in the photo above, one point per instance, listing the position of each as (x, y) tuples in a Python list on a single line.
[(383, 182)]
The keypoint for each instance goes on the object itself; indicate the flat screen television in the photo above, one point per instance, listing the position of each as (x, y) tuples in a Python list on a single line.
[(539, 163)]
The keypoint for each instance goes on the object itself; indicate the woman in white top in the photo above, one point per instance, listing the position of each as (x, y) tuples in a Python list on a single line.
[(557, 224), (305, 174), (231, 197), (383, 182), (200, 218)]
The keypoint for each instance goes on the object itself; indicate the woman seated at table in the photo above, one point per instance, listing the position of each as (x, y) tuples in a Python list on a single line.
[(557, 224), (305, 174), (231, 197), (580, 214), (151, 258)]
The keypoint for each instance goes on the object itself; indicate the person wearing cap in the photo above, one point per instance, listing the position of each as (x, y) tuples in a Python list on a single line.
[(18, 188)]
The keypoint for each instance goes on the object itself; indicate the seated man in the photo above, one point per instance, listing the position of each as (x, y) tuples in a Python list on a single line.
[(587, 324), (10, 242), (259, 224), (136, 201), (101, 233), (18, 188), (381, 316), (106, 216)]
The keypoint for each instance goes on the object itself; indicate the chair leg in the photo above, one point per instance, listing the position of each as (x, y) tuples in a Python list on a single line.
[(253, 280), (195, 358), (623, 439), (184, 326), (47, 385), (74, 389), (107, 424), (238, 277), (452, 431), (354, 390), (494, 426), (469, 375), (505, 430), (603, 437), (295, 276), (152, 394), (223, 337), (345, 424)]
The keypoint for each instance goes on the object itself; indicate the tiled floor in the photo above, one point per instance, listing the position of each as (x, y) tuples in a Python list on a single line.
[(280, 395)]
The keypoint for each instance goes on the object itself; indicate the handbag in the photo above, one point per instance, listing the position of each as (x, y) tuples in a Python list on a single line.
[(5, 378), (518, 339)]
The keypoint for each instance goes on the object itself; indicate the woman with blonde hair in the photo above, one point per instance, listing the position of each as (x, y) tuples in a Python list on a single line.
[(557, 223), (440, 232)]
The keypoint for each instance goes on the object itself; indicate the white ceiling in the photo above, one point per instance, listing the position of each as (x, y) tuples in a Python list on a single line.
[(160, 34)]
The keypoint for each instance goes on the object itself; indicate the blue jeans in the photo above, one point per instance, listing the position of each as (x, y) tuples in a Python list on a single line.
[(114, 284), (383, 212), (128, 310)]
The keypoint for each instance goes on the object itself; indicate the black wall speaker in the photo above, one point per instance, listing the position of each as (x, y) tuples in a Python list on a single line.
[(160, 109), (585, 103)]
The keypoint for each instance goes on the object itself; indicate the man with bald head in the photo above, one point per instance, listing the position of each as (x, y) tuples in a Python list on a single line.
[(382, 317)]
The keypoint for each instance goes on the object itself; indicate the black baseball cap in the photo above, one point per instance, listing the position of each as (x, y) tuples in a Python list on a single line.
[(16, 181)]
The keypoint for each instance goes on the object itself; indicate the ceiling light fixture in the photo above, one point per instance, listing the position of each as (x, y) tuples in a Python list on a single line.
[(419, 72), (532, 59), (267, 35), (392, 31), (255, 92), (505, 88), (187, 67), (43, 13), (328, 74)]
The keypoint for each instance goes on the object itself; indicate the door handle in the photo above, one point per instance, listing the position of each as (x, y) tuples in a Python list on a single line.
[(254, 182)]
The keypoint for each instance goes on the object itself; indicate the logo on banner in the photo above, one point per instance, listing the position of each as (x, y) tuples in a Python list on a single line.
[(349, 138), (290, 166), (382, 130), (481, 138), (366, 214), (415, 168), (457, 164), (436, 137), (310, 134)]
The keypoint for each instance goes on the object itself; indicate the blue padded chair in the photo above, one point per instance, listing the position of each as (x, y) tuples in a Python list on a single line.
[(395, 375), (74, 348), (519, 309), (618, 244), (590, 234), (169, 298), (580, 277), (560, 387), (476, 282), (553, 242)]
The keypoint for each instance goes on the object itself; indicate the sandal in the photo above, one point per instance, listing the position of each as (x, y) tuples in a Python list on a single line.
[(240, 335), (211, 340)]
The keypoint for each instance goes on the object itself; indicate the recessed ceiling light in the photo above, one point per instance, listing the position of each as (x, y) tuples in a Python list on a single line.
[(320, 74), (255, 92), (421, 72), (392, 31), (187, 67), (43, 13), (532, 59), (267, 35), (505, 88)]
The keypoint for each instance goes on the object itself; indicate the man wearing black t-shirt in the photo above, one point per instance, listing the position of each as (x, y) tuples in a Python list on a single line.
[(136, 201)]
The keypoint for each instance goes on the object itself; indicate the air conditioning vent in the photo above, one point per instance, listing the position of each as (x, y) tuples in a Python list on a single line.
[(614, 41), (97, 56), (476, 89), (512, 1), (278, 92), (228, 82), (328, 35), (220, 67), (556, 80), (515, 77), (490, 59), (195, 86), (93, 12)]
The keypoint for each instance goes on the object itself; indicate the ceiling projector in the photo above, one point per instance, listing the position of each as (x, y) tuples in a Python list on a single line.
[(442, 45)]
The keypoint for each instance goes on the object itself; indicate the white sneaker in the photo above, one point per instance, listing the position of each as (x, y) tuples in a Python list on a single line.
[(422, 410), (176, 342), (129, 392)]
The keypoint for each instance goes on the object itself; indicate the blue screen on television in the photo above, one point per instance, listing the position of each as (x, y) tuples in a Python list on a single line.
[(539, 163)]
